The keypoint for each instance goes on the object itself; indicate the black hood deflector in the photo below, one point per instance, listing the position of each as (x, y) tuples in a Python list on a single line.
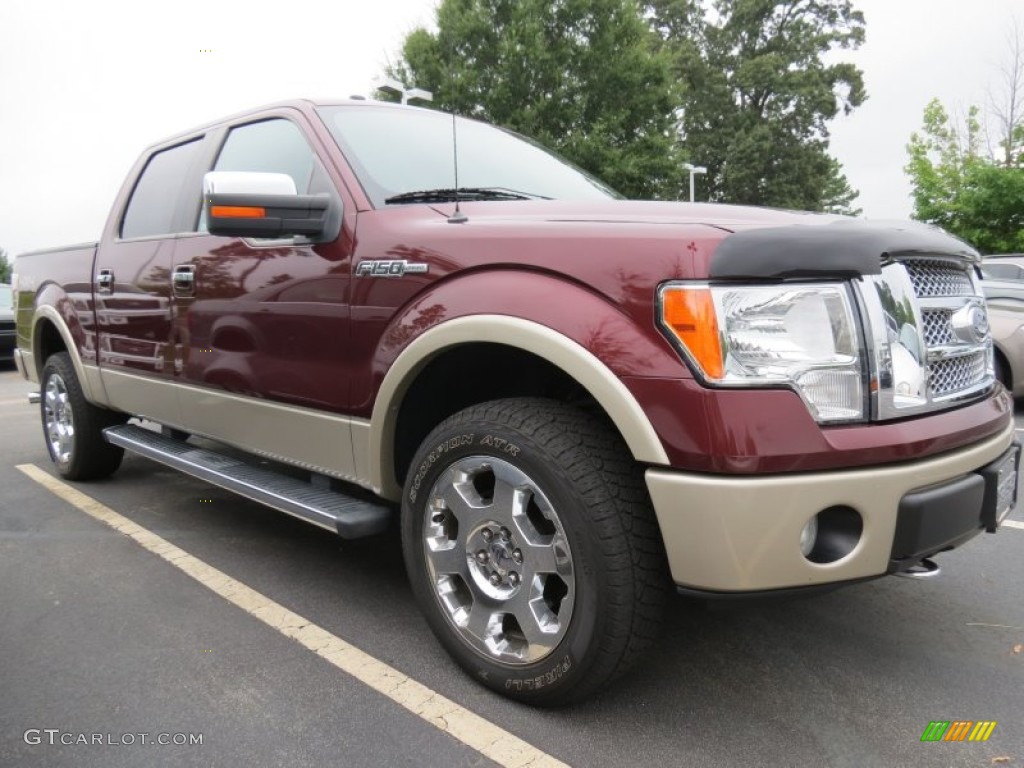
[(839, 250)]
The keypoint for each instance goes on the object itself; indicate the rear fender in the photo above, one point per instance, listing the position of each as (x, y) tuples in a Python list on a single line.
[(55, 308)]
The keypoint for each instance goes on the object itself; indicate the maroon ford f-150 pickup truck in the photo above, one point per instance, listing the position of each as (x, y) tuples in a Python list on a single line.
[(569, 401)]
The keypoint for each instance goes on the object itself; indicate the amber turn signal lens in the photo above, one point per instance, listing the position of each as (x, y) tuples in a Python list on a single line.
[(689, 313), (238, 212)]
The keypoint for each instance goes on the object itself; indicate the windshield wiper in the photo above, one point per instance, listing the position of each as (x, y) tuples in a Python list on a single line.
[(462, 193)]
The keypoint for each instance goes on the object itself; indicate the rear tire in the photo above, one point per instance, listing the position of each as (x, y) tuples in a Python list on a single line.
[(532, 548), (73, 427)]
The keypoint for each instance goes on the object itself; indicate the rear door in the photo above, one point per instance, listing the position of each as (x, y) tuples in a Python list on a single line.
[(131, 285)]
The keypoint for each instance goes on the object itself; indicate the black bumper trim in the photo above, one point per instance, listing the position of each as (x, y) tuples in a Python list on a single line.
[(991, 475), (945, 516), (769, 595)]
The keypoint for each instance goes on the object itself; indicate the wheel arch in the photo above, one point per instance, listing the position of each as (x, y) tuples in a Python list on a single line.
[(561, 359), (1003, 363), (51, 333)]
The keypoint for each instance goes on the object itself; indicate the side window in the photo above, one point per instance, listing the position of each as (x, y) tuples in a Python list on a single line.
[(151, 207), (271, 146), (1001, 271)]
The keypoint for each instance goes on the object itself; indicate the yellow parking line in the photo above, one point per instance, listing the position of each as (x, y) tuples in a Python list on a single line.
[(485, 737)]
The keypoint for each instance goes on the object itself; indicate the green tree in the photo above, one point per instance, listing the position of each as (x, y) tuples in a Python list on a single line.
[(758, 94), (581, 76), (956, 186), (5, 267)]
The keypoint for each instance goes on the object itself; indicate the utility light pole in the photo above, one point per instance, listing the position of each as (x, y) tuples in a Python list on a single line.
[(406, 95), (694, 169)]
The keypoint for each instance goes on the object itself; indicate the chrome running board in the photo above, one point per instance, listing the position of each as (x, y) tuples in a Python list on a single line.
[(348, 516)]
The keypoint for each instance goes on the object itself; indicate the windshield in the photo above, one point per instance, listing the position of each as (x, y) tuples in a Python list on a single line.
[(5, 297), (397, 151)]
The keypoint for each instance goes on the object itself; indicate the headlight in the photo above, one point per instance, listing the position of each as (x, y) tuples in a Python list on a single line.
[(802, 336)]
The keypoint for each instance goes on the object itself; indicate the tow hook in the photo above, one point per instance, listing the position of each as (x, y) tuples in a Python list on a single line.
[(925, 569)]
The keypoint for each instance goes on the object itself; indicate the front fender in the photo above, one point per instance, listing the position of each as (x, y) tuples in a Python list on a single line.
[(569, 326)]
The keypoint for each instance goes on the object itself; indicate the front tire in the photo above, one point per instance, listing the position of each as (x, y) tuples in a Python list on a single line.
[(532, 548), (73, 427)]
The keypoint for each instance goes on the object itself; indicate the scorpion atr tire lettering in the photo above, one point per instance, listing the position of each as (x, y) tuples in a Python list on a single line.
[(532, 548), (454, 442), (500, 444)]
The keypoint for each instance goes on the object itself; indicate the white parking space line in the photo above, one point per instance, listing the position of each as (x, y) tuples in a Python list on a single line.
[(1012, 524), (485, 737)]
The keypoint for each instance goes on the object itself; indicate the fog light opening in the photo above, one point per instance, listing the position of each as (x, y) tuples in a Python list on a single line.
[(808, 536), (838, 531)]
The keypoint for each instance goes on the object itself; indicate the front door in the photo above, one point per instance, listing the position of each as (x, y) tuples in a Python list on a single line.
[(262, 325)]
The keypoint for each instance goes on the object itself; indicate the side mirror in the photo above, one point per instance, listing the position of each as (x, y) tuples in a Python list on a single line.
[(242, 204)]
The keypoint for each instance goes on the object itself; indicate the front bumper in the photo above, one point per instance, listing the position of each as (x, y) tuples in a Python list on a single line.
[(742, 534)]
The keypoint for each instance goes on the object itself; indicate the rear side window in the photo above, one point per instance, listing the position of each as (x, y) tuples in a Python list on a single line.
[(270, 146), (151, 208)]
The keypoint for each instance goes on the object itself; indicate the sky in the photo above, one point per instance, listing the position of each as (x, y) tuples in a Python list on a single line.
[(86, 85)]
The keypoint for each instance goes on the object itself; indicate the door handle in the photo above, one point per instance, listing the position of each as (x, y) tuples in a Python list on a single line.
[(183, 280), (105, 281)]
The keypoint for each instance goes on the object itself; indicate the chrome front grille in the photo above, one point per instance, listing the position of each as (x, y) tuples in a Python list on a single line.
[(929, 329), (937, 327), (947, 377), (932, 278)]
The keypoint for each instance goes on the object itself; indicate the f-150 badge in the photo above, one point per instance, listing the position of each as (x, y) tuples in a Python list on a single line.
[(389, 268)]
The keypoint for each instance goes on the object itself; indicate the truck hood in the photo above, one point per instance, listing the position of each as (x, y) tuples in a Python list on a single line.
[(760, 242), (729, 218)]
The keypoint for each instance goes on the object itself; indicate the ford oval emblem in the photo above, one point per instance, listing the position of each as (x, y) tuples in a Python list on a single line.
[(970, 323), (979, 323)]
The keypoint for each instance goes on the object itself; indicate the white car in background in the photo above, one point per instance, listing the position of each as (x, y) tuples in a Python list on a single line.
[(1004, 266), (1004, 295)]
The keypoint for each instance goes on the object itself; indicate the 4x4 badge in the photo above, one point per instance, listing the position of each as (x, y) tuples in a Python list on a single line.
[(389, 268)]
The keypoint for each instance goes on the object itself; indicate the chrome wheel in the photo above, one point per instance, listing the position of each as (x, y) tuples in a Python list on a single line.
[(73, 427), (498, 560), (58, 419)]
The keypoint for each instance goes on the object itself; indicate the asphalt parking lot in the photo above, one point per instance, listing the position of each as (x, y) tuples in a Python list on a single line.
[(101, 636)]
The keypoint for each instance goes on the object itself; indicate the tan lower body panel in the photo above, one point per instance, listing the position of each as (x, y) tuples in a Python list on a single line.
[(88, 375), (150, 398), (303, 437), (740, 534)]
